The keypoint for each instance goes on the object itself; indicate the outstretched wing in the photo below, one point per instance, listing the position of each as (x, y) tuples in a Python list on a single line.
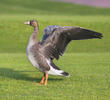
[(48, 31), (56, 44)]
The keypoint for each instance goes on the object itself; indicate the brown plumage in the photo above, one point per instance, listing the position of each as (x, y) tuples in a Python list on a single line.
[(41, 54), (57, 42)]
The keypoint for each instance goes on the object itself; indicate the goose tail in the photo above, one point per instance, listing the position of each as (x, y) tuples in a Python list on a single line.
[(54, 70), (65, 74)]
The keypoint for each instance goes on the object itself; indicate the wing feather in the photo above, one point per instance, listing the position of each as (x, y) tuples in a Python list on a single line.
[(56, 44)]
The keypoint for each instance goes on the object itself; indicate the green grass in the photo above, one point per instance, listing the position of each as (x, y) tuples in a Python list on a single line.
[(89, 80), (15, 34), (48, 7), (87, 61)]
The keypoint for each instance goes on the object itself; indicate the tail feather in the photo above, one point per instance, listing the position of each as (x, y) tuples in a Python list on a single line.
[(65, 74), (54, 70)]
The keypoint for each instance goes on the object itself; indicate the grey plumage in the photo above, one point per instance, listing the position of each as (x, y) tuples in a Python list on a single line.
[(48, 30), (56, 43), (53, 44)]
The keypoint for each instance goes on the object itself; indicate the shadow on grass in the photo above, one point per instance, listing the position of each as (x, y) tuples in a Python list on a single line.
[(20, 75)]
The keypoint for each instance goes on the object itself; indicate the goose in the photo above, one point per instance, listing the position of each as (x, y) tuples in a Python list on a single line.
[(53, 45)]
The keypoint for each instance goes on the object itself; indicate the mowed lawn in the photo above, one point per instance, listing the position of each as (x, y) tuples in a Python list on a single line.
[(87, 61), (89, 80)]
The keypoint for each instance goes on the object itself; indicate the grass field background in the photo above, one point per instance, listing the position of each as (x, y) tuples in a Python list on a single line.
[(87, 61)]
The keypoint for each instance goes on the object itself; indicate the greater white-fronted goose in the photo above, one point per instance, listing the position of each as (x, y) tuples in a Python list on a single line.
[(41, 54)]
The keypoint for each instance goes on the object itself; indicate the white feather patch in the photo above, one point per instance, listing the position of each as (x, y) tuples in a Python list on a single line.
[(53, 71)]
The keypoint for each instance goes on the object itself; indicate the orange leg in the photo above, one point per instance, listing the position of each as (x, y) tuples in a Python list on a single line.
[(42, 81), (46, 79)]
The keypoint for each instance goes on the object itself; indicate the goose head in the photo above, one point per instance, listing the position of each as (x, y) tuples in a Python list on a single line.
[(32, 23)]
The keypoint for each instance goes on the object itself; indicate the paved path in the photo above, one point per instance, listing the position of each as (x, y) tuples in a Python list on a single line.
[(97, 3)]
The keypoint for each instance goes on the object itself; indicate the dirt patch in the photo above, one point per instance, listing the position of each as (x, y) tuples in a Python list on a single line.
[(97, 3)]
